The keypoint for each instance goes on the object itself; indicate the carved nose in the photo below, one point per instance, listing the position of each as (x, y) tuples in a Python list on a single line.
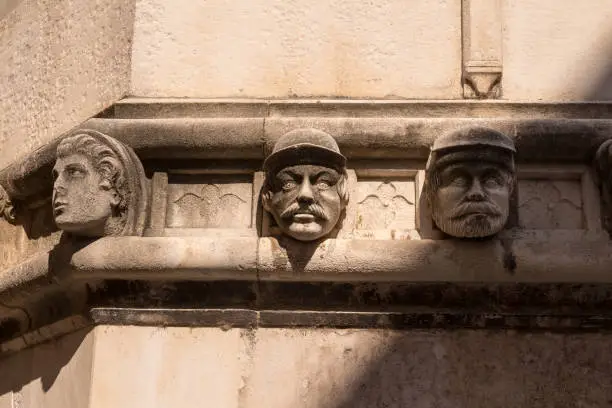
[(305, 194), (58, 187), (476, 193)]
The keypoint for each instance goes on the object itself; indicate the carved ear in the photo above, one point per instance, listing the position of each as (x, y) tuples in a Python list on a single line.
[(343, 189), (115, 198), (105, 184), (265, 199)]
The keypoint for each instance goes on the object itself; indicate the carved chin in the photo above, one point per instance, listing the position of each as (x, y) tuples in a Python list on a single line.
[(306, 231), (90, 228), (476, 226)]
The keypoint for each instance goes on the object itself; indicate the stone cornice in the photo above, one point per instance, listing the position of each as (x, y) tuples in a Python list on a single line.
[(528, 282)]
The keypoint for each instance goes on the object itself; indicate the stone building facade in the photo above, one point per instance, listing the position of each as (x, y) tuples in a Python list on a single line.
[(327, 204)]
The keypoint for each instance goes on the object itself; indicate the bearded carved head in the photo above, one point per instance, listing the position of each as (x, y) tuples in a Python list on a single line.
[(470, 176)]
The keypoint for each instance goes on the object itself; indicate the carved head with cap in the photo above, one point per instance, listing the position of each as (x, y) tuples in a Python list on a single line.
[(306, 184), (470, 176)]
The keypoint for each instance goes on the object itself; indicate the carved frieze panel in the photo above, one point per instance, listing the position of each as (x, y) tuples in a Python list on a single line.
[(203, 204), (557, 198), (385, 204), (217, 201), (550, 204)]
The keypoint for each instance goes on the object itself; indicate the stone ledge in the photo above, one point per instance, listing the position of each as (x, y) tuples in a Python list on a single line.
[(561, 258), (149, 108)]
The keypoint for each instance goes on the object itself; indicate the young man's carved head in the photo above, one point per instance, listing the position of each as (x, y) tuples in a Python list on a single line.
[(89, 187), (469, 179), (306, 189)]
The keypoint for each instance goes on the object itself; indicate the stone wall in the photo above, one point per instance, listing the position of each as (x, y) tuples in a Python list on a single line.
[(312, 368), (63, 62), (205, 298)]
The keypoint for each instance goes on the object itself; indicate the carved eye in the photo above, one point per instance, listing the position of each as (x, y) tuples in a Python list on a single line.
[(323, 184), (460, 181), (493, 181), (75, 172), (288, 185)]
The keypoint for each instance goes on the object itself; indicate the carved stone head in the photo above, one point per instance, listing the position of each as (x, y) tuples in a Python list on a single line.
[(469, 179), (306, 184), (97, 187), (603, 176)]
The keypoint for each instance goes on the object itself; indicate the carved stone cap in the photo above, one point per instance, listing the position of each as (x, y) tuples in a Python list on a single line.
[(474, 143), (305, 146), (474, 136)]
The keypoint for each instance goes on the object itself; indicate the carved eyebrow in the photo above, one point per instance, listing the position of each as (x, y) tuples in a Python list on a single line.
[(77, 166), (454, 169), (323, 173), (288, 173)]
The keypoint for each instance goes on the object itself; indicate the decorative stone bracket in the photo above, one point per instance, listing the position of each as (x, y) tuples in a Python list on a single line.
[(482, 49)]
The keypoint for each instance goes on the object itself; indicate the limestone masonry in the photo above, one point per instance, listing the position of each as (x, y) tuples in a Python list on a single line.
[(327, 204)]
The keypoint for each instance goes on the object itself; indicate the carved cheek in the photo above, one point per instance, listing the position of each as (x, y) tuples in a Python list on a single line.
[(501, 197), (282, 199), (329, 198), (449, 196)]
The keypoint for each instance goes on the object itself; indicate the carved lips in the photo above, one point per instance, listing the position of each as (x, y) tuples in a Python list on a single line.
[(476, 209)]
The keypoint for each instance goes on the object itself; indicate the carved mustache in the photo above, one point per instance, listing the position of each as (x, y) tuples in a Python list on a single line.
[(313, 209), (471, 207)]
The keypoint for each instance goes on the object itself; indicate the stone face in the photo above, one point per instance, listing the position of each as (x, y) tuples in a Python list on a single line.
[(297, 48), (98, 187), (306, 184), (469, 179)]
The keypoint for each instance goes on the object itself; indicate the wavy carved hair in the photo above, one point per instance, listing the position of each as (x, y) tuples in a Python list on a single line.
[(104, 160)]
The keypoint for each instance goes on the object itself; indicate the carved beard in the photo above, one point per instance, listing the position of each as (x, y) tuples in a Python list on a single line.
[(489, 222)]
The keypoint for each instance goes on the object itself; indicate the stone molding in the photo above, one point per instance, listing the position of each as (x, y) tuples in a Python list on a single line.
[(559, 257), (525, 279)]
